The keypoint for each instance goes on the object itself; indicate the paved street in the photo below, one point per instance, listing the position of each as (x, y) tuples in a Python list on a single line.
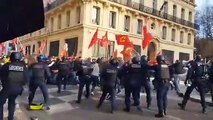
[(63, 107)]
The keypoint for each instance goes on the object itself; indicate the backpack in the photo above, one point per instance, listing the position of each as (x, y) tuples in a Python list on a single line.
[(164, 72)]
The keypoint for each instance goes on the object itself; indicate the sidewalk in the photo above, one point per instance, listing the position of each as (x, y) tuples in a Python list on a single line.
[(19, 113), (195, 96)]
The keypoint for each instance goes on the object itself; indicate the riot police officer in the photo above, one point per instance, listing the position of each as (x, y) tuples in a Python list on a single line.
[(13, 75), (145, 79), (197, 73), (162, 77), (38, 71), (210, 73), (109, 77), (84, 72), (63, 72), (133, 84)]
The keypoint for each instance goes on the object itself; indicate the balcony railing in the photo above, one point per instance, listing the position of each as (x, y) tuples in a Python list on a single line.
[(54, 4), (139, 7), (152, 11)]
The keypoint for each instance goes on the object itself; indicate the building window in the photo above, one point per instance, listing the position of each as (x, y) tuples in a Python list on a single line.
[(103, 52), (189, 39), (164, 31), (174, 10), (192, 1), (173, 34), (54, 48), (96, 15), (190, 16), (112, 19), (68, 18), (78, 13), (168, 55), (139, 28), (33, 48), (126, 23), (52, 25), (182, 13), (154, 4), (59, 21), (181, 36)]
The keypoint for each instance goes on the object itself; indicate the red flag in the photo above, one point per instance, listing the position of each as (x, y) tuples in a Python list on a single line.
[(147, 38), (104, 41), (64, 52), (15, 41), (94, 39), (122, 39), (43, 46), (130, 44), (115, 54), (127, 53)]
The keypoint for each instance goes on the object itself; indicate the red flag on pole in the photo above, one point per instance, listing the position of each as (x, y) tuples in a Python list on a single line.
[(115, 54), (147, 38), (64, 52), (43, 46), (122, 39), (94, 39), (130, 44), (127, 53), (104, 41), (15, 41)]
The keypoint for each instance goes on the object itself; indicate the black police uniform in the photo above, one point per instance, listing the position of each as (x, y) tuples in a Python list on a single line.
[(146, 81), (162, 77), (38, 72), (210, 73), (133, 85), (197, 81), (13, 75), (109, 77), (84, 74), (63, 73)]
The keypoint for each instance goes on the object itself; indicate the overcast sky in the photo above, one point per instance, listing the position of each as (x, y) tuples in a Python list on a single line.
[(202, 3)]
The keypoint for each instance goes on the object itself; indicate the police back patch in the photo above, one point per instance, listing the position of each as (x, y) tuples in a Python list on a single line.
[(16, 68), (111, 71), (136, 66)]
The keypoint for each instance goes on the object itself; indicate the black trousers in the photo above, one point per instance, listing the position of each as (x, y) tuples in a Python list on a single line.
[(135, 91), (162, 91), (11, 94), (147, 86), (43, 87), (211, 90), (197, 83), (62, 79), (111, 91), (84, 81)]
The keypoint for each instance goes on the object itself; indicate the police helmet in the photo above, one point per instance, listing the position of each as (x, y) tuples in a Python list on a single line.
[(198, 58), (144, 59), (113, 62), (135, 60), (40, 58), (160, 58), (15, 56)]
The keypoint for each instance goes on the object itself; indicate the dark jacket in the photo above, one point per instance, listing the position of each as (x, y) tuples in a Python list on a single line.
[(39, 71), (14, 73), (109, 75)]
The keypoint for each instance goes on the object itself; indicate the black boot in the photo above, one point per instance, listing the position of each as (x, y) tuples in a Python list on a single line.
[(126, 109), (204, 110), (182, 106), (159, 115)]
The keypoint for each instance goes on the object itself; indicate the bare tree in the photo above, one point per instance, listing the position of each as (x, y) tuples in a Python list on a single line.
[(205, 21)]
